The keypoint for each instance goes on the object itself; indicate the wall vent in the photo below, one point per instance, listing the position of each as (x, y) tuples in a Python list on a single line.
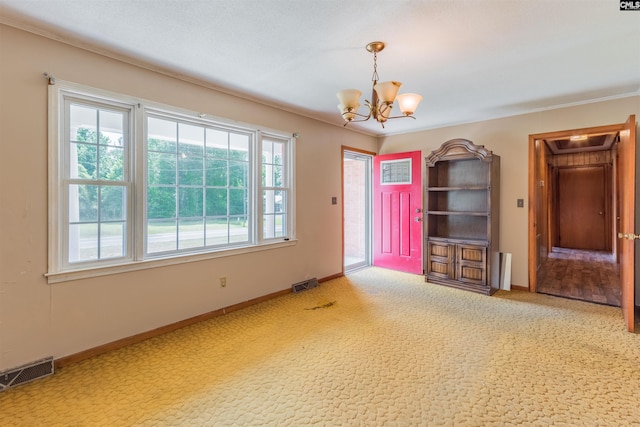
[(303, 286), (25, 374)]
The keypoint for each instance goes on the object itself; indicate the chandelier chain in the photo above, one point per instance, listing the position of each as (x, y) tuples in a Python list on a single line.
[(375, 78)]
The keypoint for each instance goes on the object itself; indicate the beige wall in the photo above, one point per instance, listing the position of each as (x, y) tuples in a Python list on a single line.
[(39, 320), (509, 138)]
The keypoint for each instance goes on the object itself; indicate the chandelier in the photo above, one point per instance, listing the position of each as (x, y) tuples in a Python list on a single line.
[(383, 96)]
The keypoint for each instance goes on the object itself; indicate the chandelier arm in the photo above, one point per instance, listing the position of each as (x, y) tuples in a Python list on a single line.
[(402, 117), (356, 121), (366, 117)]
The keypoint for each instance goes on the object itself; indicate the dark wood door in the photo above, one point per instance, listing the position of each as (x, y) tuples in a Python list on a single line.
[(581, 208)]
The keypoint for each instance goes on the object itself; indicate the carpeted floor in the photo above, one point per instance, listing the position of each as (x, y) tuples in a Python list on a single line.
[(375, 348)]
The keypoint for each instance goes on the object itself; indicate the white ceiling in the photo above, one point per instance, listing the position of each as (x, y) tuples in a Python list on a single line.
[(470, 59)]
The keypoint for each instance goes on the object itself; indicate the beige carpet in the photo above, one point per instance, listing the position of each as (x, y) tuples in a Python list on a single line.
[(376, 348)]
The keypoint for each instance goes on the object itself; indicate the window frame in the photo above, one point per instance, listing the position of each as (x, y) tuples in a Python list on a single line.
[(136, 258)]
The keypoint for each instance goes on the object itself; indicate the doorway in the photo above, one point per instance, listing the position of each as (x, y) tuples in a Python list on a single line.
[(356, 202), (580, 262), (567, 259)]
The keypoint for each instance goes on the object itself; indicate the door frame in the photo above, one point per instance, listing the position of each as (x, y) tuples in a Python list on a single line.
[(538, 200), (344, 149)]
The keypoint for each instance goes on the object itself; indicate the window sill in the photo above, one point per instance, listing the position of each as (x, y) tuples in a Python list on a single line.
[(88, 273)]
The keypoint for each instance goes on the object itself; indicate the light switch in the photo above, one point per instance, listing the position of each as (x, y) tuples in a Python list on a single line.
[(521, 203), (334, 200)]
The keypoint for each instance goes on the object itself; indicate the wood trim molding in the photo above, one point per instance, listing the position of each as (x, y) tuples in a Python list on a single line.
[(357, 150), (520, 288), (114, 345)]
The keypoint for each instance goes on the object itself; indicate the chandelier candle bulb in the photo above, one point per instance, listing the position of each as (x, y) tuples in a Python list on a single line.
[(349, 98), (408, 102), (387, 91)]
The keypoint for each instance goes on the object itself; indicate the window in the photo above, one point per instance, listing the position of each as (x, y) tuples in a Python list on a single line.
[(274, 190), (197, 186), (134, 183), (394, 172)]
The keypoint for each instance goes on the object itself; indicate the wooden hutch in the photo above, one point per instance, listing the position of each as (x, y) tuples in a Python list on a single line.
[(462, 217)]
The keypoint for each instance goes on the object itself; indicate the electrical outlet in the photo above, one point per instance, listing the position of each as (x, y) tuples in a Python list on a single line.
[(223, 282)]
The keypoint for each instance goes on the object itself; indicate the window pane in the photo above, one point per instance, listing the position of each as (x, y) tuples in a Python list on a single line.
[(279, 221), (269, 201), (112, 239), (238, 202), (112, 203), (216, 202), (272, 163), (83, 161), (279, 201), (162, 236), (217, 143), (239, 229), (278, 150), (216, 173), (111, 163), (217, 232), (273, 226), (191, 233), (267, 151), (277, 176), (239, 146), (161, 168), (83, 242), (161, 202), (238, 174), (161, 135), (395, 171), (190, 202), (190, 170), (267, 175), (83, 124), (191, 140), (83, 203), (268, 227), (111, 128)]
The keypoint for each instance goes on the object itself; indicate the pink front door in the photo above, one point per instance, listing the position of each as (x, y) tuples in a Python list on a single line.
[(397, 212)]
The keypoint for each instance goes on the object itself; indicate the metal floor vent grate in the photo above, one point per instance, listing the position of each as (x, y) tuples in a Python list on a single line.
[(25, 374), (302, 286)]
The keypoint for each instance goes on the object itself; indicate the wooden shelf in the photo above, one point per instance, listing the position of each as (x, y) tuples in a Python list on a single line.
[(458, 213), (465, 188), (461, 221)]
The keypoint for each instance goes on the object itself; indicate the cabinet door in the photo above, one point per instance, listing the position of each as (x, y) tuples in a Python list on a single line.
[(471, 262), (440, 257)]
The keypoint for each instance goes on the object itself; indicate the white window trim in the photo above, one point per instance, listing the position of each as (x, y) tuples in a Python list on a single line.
[(58, 271)]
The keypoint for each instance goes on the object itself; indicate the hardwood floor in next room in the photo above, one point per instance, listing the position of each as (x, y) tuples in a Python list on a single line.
[(579, 274)]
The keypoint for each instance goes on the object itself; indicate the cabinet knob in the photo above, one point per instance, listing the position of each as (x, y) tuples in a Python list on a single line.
[(418, 219)]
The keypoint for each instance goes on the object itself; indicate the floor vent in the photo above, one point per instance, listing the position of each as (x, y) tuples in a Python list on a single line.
[(303, 286), (25, 374)]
